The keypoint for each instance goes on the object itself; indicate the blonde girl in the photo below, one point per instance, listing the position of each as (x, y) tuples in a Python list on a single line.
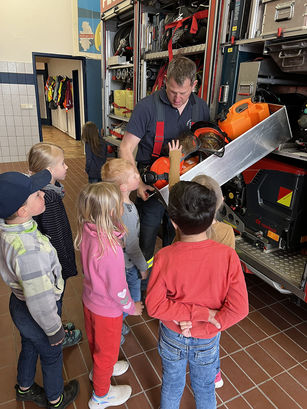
[(95, 151), (54, 222), (105, 291)]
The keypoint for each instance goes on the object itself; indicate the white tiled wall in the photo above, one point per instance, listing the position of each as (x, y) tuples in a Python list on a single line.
[(18, 115)]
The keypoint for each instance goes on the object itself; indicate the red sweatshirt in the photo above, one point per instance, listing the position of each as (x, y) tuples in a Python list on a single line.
[(188, 278)]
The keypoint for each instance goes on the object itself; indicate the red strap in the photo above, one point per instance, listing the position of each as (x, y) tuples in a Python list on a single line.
[(159, 138), (177, 24)]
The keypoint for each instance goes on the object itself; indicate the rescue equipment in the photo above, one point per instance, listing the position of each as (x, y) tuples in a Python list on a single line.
[(242, 116)]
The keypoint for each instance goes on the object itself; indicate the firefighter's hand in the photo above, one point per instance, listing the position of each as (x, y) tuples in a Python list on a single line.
[(212, 319), (174, 145), (142, 190)]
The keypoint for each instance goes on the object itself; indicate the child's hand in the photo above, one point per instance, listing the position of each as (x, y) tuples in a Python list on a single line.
[(144, 274), (212, 320), (174, 145), (185, 327), (139, 306)]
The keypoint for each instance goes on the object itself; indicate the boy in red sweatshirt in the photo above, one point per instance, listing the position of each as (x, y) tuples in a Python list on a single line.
[(196, 289)]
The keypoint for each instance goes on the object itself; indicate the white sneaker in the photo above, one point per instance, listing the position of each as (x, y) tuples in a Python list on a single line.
[(117, 395), (119, 368)]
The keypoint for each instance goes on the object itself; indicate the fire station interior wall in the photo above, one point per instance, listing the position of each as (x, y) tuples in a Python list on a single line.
[(26, 27)]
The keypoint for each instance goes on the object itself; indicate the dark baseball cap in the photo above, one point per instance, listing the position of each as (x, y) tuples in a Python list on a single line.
[(16, 187)]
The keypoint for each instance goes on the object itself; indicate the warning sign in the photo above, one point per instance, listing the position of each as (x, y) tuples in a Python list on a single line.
[(284, 196)]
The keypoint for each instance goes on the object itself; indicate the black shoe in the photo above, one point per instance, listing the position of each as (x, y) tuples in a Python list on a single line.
[(69, 394), (72, 338), (34, 394)]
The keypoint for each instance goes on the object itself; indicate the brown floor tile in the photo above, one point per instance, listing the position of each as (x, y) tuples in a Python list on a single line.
[(255, 302), (278, 396), (8, 352), (228, 343), (262, 295), (237, 403), (252, 330), (6, 326), (257, 400), (275, 319), (144, 372), (277, 353), (236, 375), (300, 374), (131, 347), (264, 360), (293, 349), (302, 328), (247, 364), (85, 351), (85, 392), (13, 405), (228, 391), (138, 402), (287, 315), (187, 400), (299, 310), (240, 336), (73, 362), (8, 380), (297, 337), (264, 324), (144, 336), (128, 378), (155, 360), (154, 327), (134, 319), (4, 289), (293, 388), (154, 396), (4, 302)]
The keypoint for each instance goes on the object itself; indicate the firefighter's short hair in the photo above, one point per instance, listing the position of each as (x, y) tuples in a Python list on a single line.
[(180, 69)]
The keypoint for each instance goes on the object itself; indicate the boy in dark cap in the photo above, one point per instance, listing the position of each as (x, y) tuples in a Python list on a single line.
[(30, 267)]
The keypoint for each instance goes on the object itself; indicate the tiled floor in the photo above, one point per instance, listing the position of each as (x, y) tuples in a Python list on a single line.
[(263, 358)]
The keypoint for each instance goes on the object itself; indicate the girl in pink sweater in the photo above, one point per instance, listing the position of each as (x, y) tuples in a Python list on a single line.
[(105, 290)]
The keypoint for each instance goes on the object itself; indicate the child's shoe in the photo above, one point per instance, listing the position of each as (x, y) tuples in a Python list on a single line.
[(69, 394), (218, 382), (69, 326), (71, 338), (34, 394), (119, 368), (125, 329), (117, 395)]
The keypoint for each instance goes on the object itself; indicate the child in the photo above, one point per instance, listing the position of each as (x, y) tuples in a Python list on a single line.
[(218, 231), (30, 267), (121, 172), (195, 281), (53, 222), (105, 292), (95, 151)]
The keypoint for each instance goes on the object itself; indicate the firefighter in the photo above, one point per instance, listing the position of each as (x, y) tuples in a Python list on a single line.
[(156, 120)]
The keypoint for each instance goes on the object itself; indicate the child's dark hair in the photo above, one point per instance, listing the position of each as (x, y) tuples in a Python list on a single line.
[(192, 207), (90, 135)]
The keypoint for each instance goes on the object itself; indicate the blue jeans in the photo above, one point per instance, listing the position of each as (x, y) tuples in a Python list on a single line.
[(134, 284), (34, 343), (201, 354)]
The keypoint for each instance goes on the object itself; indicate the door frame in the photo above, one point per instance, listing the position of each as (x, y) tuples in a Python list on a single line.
[(61, 56), (48, 120)]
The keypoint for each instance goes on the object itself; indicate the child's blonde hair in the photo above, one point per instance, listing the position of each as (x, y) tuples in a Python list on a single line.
[(100, 204), (90, 135), (117, 171), (211, 184), (43, 155)]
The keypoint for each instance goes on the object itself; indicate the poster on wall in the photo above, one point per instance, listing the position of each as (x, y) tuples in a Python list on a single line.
[(89, 26)]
